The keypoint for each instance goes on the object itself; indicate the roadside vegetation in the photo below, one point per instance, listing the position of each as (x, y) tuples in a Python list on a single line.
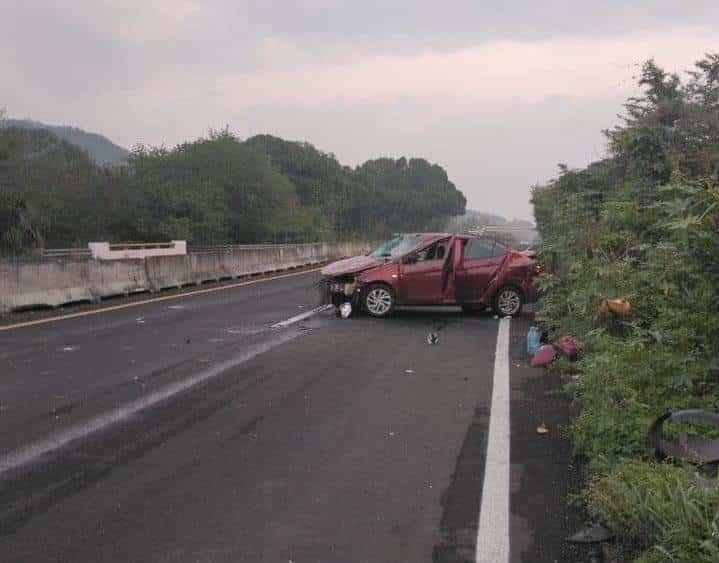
[(642, 225), (215, 190)]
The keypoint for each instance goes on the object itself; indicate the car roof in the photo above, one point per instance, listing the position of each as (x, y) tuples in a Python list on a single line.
[(428, 237), (425, 237)]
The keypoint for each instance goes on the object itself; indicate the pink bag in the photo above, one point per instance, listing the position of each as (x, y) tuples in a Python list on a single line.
[(544, 356), (569, 347)]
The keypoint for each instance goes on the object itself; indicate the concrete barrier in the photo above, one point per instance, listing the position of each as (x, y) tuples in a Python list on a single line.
[(27, 284)]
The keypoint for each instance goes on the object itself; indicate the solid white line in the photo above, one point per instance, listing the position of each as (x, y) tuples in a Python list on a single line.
[(493, 529), (301, 317), (31, 452)]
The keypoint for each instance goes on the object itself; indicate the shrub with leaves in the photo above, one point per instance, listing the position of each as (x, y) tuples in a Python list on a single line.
[(642, 225), (660, 507)]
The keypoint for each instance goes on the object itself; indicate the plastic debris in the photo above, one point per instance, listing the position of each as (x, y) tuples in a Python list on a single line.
[(345, 310), (591, 533), (542, 429), (533, 341), (409, 371), (432, 338)]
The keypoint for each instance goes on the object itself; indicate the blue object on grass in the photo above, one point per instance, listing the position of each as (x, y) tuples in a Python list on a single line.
[(533, 343)]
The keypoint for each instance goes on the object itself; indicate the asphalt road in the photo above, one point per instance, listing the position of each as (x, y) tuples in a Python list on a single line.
[(327, 440)]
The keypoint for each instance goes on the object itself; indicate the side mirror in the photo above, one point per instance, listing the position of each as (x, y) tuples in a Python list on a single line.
[(410, 259)]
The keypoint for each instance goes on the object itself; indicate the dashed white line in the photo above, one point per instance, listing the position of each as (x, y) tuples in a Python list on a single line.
[(33, 451), (493, 530), (301, 317)]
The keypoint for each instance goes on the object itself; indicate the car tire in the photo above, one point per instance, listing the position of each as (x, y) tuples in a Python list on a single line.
[(378, 300), (469, 310), (508, 301)]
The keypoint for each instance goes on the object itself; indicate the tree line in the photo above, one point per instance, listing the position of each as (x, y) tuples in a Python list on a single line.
[(642, 225), (215, 190)]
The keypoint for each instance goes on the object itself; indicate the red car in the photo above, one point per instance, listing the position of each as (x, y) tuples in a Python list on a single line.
[(434, 269)]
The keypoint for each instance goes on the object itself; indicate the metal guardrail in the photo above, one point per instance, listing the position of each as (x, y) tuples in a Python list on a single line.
[(64, 253), (139, 245), (228, 248), (83, 253)]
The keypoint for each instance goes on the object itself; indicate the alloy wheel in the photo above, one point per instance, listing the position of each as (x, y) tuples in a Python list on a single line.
[(509, 302), (378, 301)]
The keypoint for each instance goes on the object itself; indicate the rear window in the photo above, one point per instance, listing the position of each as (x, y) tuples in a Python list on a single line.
[(477, 249)]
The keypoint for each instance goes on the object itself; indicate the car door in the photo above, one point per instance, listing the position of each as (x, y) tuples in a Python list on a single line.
[(423, 276), (480, 260)]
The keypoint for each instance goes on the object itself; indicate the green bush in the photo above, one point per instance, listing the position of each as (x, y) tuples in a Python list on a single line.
[(642, 225), (659, 505)]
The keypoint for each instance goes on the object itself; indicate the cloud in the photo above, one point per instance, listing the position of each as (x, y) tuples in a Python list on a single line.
[(129, 20), (499, 95)]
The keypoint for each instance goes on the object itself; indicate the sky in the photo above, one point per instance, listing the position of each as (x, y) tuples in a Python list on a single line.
[(498, 93)]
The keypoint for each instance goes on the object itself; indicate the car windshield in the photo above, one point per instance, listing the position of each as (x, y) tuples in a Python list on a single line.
[(397, 246)]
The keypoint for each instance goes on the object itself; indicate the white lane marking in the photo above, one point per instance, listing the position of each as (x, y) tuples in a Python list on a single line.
[(493, 529), (31, 452), (301, 317)]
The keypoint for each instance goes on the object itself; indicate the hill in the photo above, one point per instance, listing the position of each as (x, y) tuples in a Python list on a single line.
[(102, 150)]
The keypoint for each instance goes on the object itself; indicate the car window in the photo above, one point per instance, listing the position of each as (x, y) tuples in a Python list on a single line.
[(436, 251), (477, 249), (499, 249)]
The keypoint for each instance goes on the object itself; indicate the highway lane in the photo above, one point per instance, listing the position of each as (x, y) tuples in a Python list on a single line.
[(54, 375), (339, 440)]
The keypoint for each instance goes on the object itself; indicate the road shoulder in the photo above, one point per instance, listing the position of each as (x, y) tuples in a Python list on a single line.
[(544, 476)]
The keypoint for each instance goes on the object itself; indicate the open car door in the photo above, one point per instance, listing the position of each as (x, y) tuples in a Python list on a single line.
[(477, 267), (425, 274)]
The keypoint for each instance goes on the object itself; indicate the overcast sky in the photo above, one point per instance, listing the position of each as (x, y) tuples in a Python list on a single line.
[(496, 92)]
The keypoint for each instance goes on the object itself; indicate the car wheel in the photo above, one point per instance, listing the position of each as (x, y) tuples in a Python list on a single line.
[(508, 301), (469, 310), (378, 300)]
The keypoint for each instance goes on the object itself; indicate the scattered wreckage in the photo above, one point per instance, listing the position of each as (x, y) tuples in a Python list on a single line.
[(433, 269)]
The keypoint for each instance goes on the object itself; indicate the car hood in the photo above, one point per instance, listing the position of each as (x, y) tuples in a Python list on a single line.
[(350, 265)]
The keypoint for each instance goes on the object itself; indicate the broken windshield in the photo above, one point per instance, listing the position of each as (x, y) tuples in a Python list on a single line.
[(397, 246)]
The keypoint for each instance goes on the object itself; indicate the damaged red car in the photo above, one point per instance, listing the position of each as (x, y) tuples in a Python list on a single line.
[(434, 269)]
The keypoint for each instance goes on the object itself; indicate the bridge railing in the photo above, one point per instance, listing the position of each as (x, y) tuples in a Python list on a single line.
[(64, 253)]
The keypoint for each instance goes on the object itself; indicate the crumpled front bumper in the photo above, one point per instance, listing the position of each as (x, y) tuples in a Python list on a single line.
[(337, 292)]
